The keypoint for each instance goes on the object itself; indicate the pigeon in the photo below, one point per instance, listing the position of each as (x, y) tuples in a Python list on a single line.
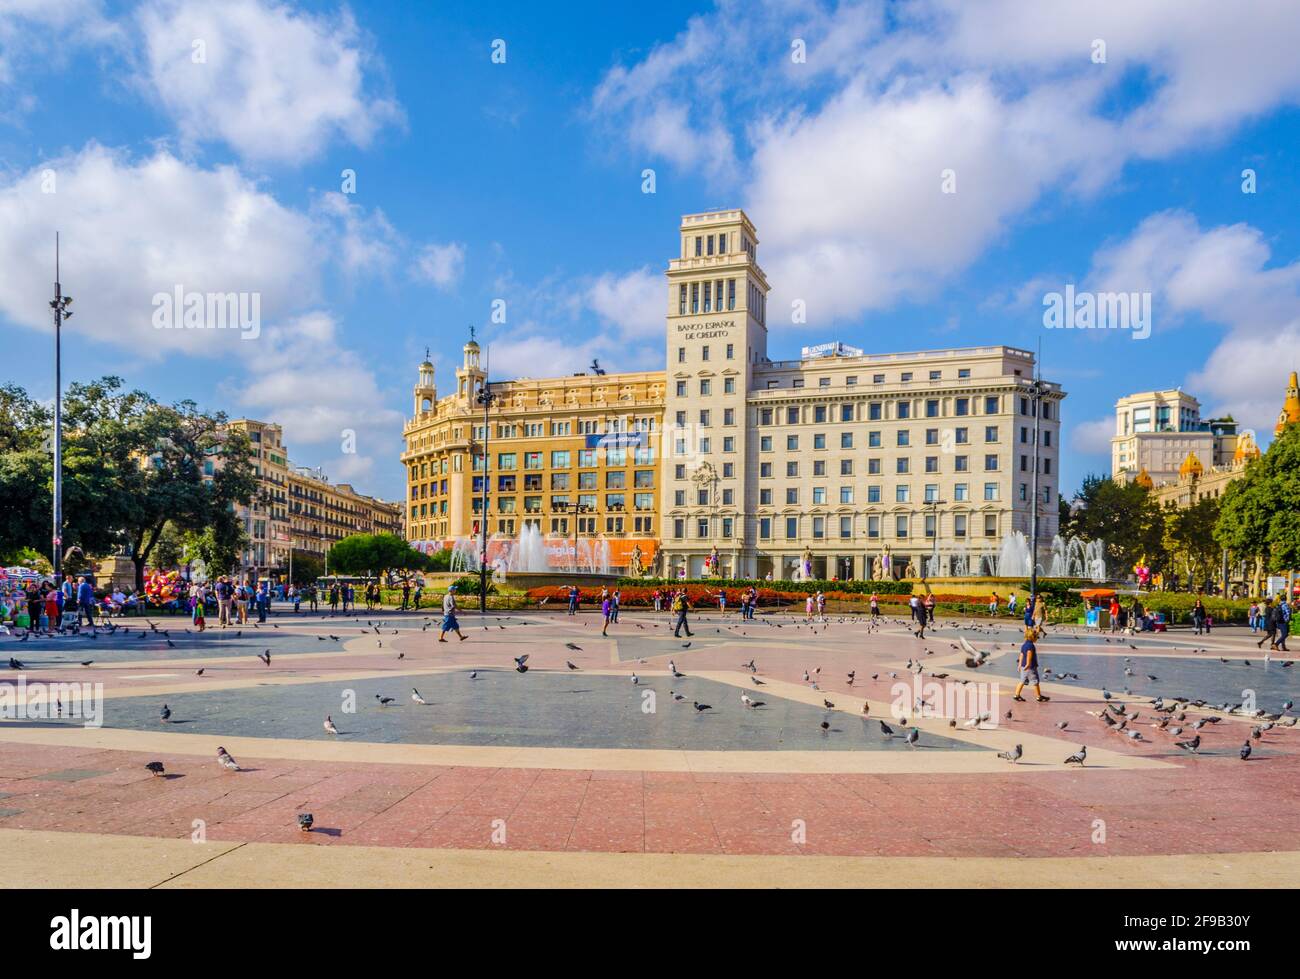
[(1191, 745), (225, 761), (521, 663), (827, 704), (87, 662), (265, 657), (825, 725), (165, 713), (1013, 755), (570, 665), (757, 682), (329, 725), (384, 701), (15, 664), (635, 679), (1078, 757), (473, 674), (569, 645), (699, 707), (199, 671), (913, 736), (157, 767), (750, 702), (1061, 725), (415, 695), (304, 821), (886, 730), (1245, 751)]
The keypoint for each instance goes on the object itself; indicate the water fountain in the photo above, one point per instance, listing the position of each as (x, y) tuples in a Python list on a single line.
[(532, 554), (1071, 557)]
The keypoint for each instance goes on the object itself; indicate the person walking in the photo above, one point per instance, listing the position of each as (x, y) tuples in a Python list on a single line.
[(1253, 618), (808, 608), (918, 616), (821, 605), (573, 599), (993, 604), (449, 622), (223, 601), (1271, 618), (1027, 663), (1114, 613), (875, 605), (1283, 624), (1198, 616), (680, 605), (616, 602), (929, 608), (198, 613), (419, 593), (607, 612), (263, 600), (86, 605), (658, 599), (1011, 604)]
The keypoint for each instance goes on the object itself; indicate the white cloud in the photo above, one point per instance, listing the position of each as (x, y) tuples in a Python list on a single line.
[(839, 160), (133, 228), (1092, 437), (276, 84), (443, 265), (45, 32), (1223, 276), (634, 303)]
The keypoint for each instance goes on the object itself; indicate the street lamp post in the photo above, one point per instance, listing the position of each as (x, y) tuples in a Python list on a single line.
[(1036, 399), (59, 304), (934, 512), (485, 398)]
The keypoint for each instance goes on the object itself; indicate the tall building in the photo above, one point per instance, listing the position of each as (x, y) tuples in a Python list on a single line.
[(1195, 480), (299, 509), (1155, 431), (844, 459)]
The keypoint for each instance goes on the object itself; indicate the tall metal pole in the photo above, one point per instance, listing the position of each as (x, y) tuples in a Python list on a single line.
[(60, 305), (1037, 401), (485, 396)]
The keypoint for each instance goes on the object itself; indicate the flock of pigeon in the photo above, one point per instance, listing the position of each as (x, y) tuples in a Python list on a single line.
[(1170, 713)]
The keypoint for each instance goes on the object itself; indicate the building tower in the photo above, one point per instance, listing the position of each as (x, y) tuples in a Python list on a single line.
[(426, 391), (717, 332), (469, 376), (1290, 413)]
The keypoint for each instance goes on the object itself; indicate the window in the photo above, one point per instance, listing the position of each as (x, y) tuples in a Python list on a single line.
[(846, 467), (961, 492), (819, 495), (728, 469), (792, 443), (990, 525), (902, 493), (819, 440), (900, 526), (932, 464), (586, 458), (728, 497), (931, 493), (873, 467), (819, 467), (792, 416), (873, 440), (823, 382), (936, 375), (702, 497), (846, 440), (846, 413), (559, 481), (990, 463), (991, 405), (961, 406), (990, 433), (791, 528), (963, 373), (931, 408), (959, 525), (902, 465), (765, 528), (931, 436), (819, 527), (819, 414), (560, 460), (791, 496), (728, 383), (765, 416), (792, 469), (704, 352), (765, 470), (679, 528), (702, 527), (729, 443), (873, 526), (846, 528), (874, 411), (705, 418), (706, 388), (727, 525), (929, 525), (731, 347), (904, 409), (962, 436), (904, 437), (990, 492), (681, 355), (765, 497), (846, 494), (616, 479), (765, 443), (873, 494)]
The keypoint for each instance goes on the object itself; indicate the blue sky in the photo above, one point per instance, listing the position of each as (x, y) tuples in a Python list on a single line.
[(203, 145)]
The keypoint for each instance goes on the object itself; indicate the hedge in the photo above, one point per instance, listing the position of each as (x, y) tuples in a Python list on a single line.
[(800, 587)]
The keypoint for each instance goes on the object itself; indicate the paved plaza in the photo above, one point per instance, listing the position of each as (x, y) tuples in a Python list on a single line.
[(608, 774)]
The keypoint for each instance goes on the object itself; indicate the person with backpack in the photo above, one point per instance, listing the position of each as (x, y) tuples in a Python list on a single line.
[(680, 606)]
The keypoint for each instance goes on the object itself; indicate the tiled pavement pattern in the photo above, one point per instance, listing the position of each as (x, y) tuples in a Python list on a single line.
[(1179, 804)]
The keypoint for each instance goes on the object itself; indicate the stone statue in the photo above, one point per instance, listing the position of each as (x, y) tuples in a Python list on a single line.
[(636, 559), (807, 562), (877, 569), (911, 568)]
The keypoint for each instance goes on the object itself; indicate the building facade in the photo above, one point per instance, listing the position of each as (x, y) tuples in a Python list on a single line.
[(1155, 431), (855, 464), (299, 509)]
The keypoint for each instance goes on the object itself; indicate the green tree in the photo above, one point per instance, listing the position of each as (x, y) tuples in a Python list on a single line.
[(1189, 539), (372, 554), (1123, 515), (1259, 517)]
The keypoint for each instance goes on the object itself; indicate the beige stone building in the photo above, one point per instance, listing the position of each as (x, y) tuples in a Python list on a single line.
[(300, 509), (840, 458), (1155, 431)]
